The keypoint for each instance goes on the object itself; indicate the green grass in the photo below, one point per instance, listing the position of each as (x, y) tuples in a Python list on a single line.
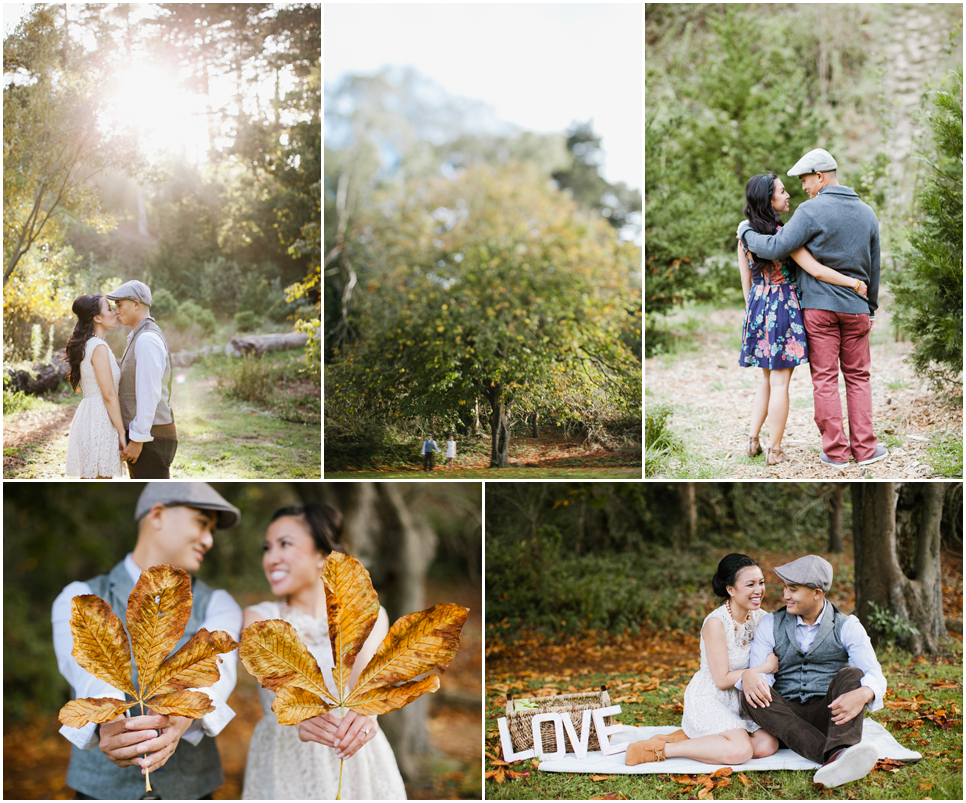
[(218, 437), (490, 474), (939, 775), (946, 454)]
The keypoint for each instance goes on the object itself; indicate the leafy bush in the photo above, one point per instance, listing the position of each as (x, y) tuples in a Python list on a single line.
[(190, 314), (929, 291), (14, 401), (251, 379), (247, 321), (365, 442), (163, 305)]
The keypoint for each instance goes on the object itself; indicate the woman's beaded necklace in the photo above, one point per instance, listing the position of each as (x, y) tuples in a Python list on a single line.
[(747, 628)]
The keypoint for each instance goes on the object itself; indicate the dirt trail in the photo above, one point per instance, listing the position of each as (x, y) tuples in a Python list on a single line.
[(712, 397), (33, 428)]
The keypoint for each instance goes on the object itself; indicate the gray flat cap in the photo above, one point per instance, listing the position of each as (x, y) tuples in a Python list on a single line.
[(817, 161), (811, 571), (134, 290), (190, 494)]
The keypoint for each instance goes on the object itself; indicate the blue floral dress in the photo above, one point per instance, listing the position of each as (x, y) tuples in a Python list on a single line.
[(774, 331)]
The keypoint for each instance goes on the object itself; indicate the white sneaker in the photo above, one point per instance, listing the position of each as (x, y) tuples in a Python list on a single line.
[(853, 763), (880, 453)]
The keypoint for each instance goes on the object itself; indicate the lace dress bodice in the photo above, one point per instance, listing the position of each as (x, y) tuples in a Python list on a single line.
[(282, 767), (709, 710), (92, 446)]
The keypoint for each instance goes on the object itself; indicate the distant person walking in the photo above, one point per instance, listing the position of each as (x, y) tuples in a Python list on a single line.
[(451, 449), (429, 447)]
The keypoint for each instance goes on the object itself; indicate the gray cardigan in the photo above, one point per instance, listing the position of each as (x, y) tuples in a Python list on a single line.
[(841, 232)]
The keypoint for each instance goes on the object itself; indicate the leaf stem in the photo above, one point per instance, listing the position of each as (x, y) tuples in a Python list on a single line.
[(147, 775), (338, 794)]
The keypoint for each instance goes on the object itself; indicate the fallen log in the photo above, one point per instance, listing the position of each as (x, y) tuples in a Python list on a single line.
[(41, 378), (259, 344)]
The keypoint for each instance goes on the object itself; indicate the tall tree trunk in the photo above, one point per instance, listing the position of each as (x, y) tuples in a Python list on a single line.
[(886, 518), (396, 545), (536, 431), (835, 518), (689, 513), (499, 429)]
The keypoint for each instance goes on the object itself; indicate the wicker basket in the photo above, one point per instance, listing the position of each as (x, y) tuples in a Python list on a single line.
[(521, 731)]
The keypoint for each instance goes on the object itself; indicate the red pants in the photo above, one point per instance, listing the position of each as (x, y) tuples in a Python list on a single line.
[(836, 338)]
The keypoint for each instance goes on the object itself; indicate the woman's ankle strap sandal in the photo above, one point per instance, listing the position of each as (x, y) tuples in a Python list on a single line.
[(775, 456), (753, 449)]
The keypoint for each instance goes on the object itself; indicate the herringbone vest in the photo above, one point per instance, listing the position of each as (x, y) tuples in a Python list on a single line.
[(804, 675), (126, 388)]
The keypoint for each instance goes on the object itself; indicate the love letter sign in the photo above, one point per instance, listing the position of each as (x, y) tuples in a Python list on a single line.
[(562, 723)]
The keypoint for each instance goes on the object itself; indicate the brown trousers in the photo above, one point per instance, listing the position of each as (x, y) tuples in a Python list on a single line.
[(807, 728), (154, 462)]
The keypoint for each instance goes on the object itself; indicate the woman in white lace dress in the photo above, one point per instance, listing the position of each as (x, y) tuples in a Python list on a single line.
[(97, 431), (712, 728), (301, 762)]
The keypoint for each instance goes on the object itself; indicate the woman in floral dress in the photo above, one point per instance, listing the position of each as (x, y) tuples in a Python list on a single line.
[(774, 329)]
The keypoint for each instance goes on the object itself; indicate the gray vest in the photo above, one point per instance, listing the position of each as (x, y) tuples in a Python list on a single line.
[(804, 675), (190, 772), (126, 392)]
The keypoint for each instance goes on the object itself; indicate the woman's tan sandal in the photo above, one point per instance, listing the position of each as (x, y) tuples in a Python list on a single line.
[(644, 752), (776, 456), (678, 736), (753, 449)]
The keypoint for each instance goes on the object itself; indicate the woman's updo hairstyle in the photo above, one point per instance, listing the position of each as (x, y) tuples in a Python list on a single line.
[(758, 209), (85, 308), (323, 522), (728, 569)]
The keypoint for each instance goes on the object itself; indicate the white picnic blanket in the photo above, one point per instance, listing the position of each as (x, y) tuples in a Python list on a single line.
[(599, 764)]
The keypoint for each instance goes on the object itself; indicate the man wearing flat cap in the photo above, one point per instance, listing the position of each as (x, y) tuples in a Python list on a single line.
[(842, 232), (144, 389), (828, 676), (176, 523)]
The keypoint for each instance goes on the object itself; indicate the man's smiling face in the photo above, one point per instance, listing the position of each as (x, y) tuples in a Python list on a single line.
[(811, 183)]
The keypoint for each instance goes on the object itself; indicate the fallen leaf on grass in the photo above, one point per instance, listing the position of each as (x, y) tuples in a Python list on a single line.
[(497, 776), (944, 684), (516, 775), (685, 779), (744, 779), (600, 777), (941, 721), (724, 772), (888, 765)]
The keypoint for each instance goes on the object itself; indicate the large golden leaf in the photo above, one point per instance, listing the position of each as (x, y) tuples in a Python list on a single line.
[(293, 705), (272, 651), (191, 704), (352, 607), (100, 643), (195, 665), (78, 713), (157, 611), (420, 642), (415, 644)]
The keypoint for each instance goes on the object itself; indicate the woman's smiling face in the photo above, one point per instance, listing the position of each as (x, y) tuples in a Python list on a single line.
[(749, 587), (779, 198), (291, 560)]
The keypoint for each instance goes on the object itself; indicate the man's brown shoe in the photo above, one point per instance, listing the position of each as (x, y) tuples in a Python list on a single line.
[(643, 752)]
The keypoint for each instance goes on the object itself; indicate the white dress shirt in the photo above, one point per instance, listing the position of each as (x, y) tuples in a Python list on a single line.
[(854, 639), (223, 614), (152, 358)]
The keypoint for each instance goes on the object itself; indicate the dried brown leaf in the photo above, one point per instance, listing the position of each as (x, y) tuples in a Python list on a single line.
[(195, 665), (293, 705), (415, 644), (352, 607), (272, 651), (157, 611), (383, 699), (100, 643), (78, 713), (191, 704)]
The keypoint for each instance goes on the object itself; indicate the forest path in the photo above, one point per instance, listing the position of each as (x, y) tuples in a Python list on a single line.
[(218, 438), (712, 399)]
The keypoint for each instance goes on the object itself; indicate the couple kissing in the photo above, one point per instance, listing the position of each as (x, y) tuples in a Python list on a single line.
[(801, 677)]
